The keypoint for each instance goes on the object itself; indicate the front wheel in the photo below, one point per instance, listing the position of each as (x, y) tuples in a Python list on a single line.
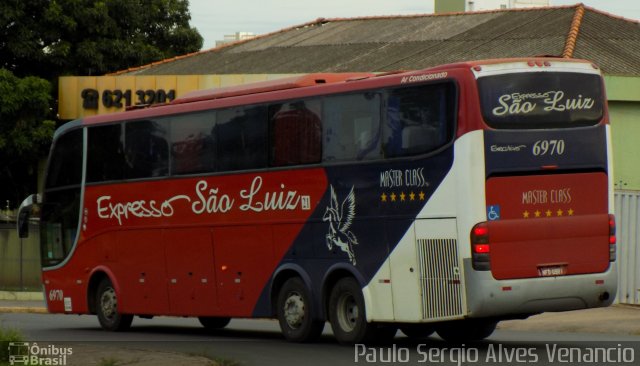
[(294, 312), (107, 308), (348, 317)]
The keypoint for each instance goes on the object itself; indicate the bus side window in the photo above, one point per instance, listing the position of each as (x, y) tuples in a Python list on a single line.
[(192, 143), (241, 138), (146, 149), (418, 119), (351, 127), (295, 133), (105, 156)]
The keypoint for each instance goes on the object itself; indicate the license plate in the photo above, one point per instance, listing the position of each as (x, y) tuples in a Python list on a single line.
[(552, 271)]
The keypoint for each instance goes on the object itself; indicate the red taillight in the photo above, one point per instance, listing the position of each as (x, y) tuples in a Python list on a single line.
[(480, 247), (480, 230), (612, 238)]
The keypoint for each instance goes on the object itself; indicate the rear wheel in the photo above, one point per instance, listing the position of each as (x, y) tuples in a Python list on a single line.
[(212, 322), (294, 312), (107, 308), (348, 318), (417, 331), (466, 330)]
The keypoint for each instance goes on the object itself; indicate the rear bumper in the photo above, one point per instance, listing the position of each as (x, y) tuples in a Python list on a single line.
[(488, 297)]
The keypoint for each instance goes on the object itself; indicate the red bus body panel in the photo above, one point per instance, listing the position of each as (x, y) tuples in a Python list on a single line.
[(549, 221)]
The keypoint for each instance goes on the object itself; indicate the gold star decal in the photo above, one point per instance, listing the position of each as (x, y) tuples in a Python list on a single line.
[(412, 196), (570, 212), (421, 194), (383, 197), (537, 213), (525, 214), (548, 213), (402, 196), (393, 197), (559, 212)]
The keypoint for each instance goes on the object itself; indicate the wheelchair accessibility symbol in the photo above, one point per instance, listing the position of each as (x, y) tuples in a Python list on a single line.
[(493, 213)]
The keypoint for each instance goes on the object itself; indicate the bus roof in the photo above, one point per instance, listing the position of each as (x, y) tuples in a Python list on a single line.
[(226, 96), (270, 85)]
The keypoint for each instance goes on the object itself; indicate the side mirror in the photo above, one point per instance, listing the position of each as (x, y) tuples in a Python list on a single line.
[(24, 213)]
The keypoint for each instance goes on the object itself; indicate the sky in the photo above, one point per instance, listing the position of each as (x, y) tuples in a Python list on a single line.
[(215, 18)]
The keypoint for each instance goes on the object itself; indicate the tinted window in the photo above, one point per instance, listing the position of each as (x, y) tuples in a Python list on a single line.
[(146, 149), (192, 143), (541, 100), (65, 167), (241, 138), (295, 133), (105, 156), (418, 119), (351, 128), (58, 224)]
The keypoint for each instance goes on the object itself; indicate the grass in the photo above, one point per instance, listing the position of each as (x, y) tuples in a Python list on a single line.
[(216, 361), (111, 361), (6, 336)]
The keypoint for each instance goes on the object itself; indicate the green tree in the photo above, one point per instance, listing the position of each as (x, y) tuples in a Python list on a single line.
[(25, 133), (49, 38)]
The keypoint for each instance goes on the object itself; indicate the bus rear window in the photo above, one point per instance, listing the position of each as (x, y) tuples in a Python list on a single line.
[(541, 100)]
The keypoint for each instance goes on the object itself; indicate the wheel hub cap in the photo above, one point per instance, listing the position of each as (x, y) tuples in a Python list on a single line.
[(294, 310)]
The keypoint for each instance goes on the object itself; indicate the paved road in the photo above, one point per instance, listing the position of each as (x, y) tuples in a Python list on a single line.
[(258, 342)]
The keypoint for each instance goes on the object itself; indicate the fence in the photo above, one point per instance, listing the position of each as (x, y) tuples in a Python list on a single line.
[(19, 259), (627, 205)]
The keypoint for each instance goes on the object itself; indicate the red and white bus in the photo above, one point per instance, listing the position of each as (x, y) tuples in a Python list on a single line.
[(444, 199)]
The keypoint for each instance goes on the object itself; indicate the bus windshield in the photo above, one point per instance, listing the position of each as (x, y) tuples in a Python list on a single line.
[(541, 100)]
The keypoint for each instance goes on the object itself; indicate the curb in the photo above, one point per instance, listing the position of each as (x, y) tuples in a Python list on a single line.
[(30, 310), (21, 296)]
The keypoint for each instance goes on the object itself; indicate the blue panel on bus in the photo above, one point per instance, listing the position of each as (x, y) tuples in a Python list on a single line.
[(366, 209), (509, 151), (493, 212)]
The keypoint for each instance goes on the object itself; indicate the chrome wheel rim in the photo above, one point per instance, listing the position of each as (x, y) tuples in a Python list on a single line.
[(294, 310), (109, 303), (347, 312)]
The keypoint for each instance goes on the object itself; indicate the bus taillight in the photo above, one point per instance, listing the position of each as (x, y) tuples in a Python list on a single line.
[(480, 247), (612, 238)]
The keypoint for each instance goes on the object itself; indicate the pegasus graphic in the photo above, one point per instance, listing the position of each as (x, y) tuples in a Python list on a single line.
[(340, 218)]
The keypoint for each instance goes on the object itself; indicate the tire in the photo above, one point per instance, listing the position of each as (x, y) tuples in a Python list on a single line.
[(213, 323), (107, 308), (466, 330), (294, 311), (348, 318), (417, 331)]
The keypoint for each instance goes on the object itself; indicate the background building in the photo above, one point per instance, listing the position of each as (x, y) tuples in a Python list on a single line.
[(237, 36), (450, 6)]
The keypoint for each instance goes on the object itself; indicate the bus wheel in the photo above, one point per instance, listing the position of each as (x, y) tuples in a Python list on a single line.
[(348, 318), (294, 312), (417, 330), (212, 322), (107, 308), (466, 330)]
